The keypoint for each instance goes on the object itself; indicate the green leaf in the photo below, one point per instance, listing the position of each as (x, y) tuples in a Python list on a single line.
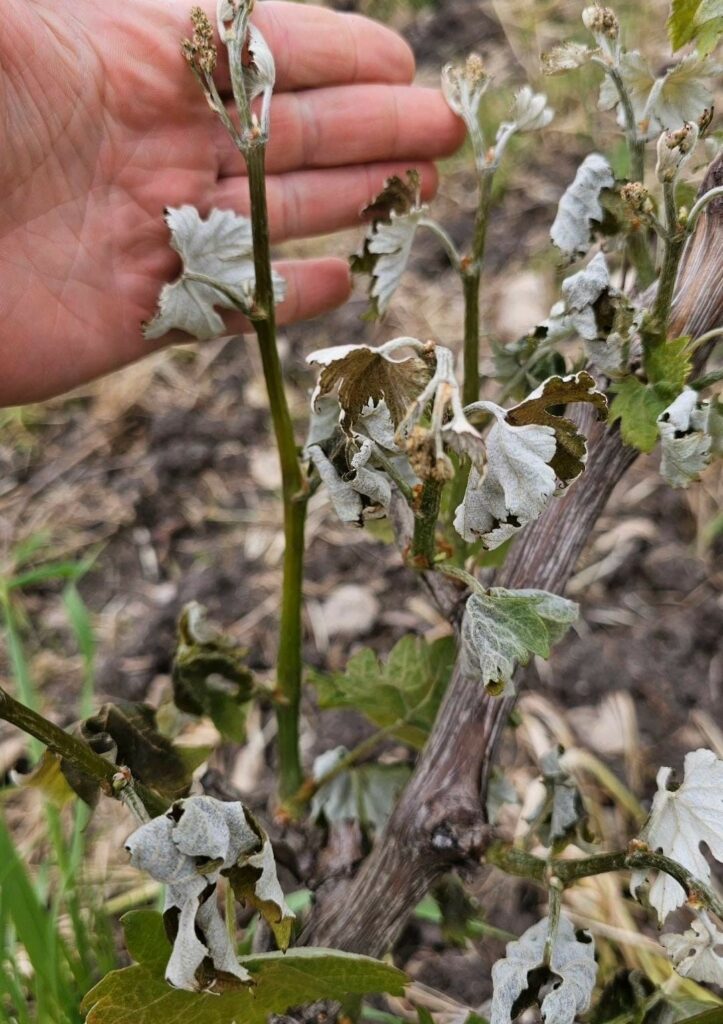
[(681, 22), (669, 363), (403, 693), (638, 406), (503, 628), (698, 20), (139, 994), (210, 676)]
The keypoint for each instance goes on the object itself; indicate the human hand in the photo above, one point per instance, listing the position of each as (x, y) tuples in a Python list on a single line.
[(105, 126)]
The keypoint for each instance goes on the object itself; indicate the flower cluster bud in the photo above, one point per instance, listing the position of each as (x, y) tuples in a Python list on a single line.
[(601, 21), (674, 148), (200, 51), (464, 84), (636, 197)]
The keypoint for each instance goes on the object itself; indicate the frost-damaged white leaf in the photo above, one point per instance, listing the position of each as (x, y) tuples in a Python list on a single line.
[(395, 215), (685, 442), (580, 311), (218, 270), (580, 206), (514, 487), (530, 112), (681, 94), (346, 501), (503, 628), (680, 820), (531, 454), (362, 375), (188, 849), (259, 73), (392, 245), (698, 952), (572, 972)]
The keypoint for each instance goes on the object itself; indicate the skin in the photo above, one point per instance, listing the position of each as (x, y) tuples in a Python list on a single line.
[(103, 126)]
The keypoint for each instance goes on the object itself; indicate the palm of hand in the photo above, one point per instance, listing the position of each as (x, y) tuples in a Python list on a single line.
[(107, 127)]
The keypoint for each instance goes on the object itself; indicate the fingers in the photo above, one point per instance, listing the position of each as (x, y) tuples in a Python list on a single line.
[(315, 47), (353, 124), (307, 203)]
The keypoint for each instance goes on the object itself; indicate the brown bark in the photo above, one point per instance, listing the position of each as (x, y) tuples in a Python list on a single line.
[(439, 820)]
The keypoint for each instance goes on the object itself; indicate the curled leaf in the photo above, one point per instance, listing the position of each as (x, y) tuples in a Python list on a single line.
[(697, 952), (503, 628), (210, 675), (254, 881), (531, 453), (530, 111), (521, 977), (218, 270), (580, 209), (599, 313), (571, 447), (685, 441), (395, 215), (563, 818), (359, 494), (363, 374), (188, 849)]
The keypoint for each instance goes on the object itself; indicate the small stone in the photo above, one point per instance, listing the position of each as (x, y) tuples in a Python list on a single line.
[(350, 610)]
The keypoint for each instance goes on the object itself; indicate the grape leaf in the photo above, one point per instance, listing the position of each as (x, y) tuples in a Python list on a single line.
[(140, 995), (695, 20), (395, 216), (530, 453), (218, 249), (694, 953), (669, 363), (363, 374), (519, 978), (562, 817), (365, 793), (580, 209), (685, 442), (638, 406), (681, 94), (503, 628), (403, 693), (680, 820), (209, 674)]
